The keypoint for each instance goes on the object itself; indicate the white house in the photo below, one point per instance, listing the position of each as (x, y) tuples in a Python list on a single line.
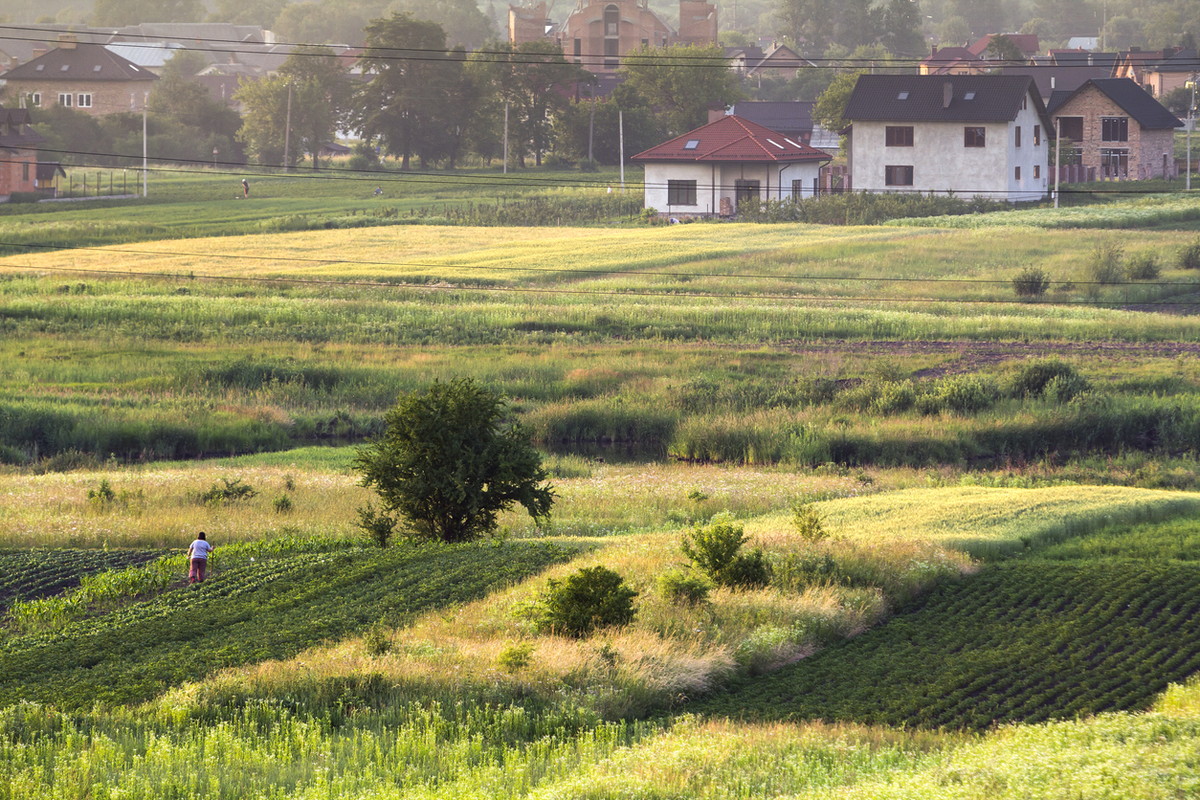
[(710, 170), (968, 135)]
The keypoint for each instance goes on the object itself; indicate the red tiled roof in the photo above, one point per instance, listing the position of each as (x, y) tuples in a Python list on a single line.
[(732, 138), (1027, 43)]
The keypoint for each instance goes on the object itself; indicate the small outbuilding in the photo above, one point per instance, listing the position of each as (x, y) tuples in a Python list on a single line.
[(710, 170)]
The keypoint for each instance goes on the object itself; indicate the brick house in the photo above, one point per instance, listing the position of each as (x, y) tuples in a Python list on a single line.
[(597, 33), (708, 171), (18, 153), (79, 75), (1117, 128)]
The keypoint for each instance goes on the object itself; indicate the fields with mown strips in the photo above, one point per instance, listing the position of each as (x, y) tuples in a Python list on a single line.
[(1100, 623), (741, 343), (465, 699)]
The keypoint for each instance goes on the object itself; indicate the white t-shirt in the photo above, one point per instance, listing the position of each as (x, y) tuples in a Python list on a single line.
[(200, 548)]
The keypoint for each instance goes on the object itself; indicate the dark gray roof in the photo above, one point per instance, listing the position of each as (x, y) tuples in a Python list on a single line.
[(1052, 79), (1133, 100), (921, 98), (15, 133), (1180, 61), (792, 117), (83, 62)]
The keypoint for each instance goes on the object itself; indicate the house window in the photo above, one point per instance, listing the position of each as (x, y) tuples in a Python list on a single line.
[(612, 20), (578, 48), (64, 99), (84, 101), (898, 136), (744, 189), (610, 52), (898, 175), (1017, 140), (1017, 174), (1037, 135), (797, 189), (1114, 163), (974, 137), (35, 98), (25, 172), (1071, 128), (1114, 129), (1037, 171), (681, 193)]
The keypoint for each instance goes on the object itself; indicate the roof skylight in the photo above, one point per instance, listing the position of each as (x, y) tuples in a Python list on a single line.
[(692, 144), (793, 144), (902, 96), (777, 144), (969, 96)]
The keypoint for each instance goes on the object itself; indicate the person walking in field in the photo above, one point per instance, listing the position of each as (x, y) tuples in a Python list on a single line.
[(245, 189), (198, 557)]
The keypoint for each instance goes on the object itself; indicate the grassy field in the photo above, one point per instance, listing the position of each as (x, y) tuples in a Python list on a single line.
[(474, 703), (1008, 485)]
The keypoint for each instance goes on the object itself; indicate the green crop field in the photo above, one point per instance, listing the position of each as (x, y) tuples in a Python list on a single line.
[(1003, 603)]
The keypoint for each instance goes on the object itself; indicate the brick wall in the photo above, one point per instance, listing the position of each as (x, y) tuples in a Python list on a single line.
[(1145, 148), (106, 97), (18, 169)]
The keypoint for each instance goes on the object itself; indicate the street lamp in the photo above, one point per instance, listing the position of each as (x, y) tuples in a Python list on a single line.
[(216, 152)]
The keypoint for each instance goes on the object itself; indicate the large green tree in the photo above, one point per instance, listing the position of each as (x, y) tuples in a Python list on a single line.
[(415, 92), (681, 83), (451, 460)]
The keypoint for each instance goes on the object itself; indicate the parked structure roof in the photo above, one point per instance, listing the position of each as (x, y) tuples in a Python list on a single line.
[(939, 98)]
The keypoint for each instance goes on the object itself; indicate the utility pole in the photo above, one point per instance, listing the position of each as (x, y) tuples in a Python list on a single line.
[(1191, 124), (1057, 153), (505, 170), (145, 153), (621, 136), (287, 132)]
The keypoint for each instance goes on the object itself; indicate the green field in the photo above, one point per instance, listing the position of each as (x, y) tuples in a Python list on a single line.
[(1004, 606)]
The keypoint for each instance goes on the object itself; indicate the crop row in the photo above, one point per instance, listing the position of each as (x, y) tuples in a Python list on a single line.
[(1020, 642), (247, 614), (32, 574)]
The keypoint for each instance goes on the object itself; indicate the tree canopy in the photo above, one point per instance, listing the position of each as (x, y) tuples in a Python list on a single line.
[(451, 460), (681, 83)]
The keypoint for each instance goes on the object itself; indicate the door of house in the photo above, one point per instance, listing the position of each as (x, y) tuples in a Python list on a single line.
[(744, 189)]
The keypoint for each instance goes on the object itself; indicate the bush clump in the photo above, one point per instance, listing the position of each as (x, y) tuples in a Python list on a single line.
[(227, 491), (683, 587), (592, 598), (1032, 380), (1189, 256), (716, 551), (1108, 262), (1031, 282), (808, 522), (1143, 267)]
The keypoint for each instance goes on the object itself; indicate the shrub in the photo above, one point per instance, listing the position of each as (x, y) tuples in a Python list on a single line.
[(282, 504), (808, 522), (894, 397), (716, 551), (683, 587), (103, 494), (1143, 267), (797, 571), (1064, 388), (376, 526), (1031, 282), (593, 597), (1189, 256), (377, 640), (1107, 264), (965, 394), (227, 491), (515, 657), (1032, 379)]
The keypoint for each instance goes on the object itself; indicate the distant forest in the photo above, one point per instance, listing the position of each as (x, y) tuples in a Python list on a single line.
[(823, 26)]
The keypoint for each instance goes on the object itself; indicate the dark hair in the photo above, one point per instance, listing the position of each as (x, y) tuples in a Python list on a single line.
[(200, 535)]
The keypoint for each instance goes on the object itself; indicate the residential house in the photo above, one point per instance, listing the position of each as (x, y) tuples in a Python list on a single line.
[(1136, 63), (1117, 128), (792, 118), (80, 75), (597, 33), (18, 153), (1027, 43), (710, 170), (1162, 77), (779, 61), (970, 135), (952, 61)]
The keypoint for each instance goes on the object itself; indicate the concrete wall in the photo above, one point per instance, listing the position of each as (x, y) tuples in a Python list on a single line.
[(942, 164), (715, 182)]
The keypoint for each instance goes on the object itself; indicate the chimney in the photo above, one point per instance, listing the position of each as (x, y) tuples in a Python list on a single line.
[(947, 94), (67, 41)]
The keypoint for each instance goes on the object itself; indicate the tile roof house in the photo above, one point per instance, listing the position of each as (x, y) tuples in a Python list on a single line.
[(80, 75), (970, 135), (711, 169), (1117, 128), (18, 153), (1167, 74), (952, 61)]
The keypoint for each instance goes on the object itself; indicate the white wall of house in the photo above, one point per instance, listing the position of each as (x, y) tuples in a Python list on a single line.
[(941, 162), (714, 182)]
